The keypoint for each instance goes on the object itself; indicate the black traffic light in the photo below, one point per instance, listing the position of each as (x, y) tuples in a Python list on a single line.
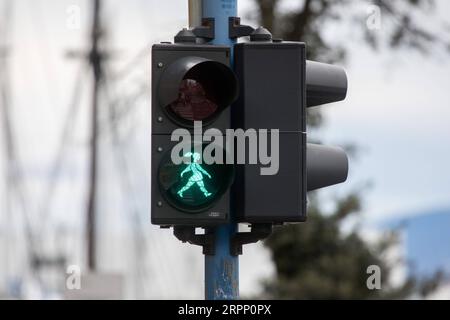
[(271, 86), (190, 82), (277, 84)]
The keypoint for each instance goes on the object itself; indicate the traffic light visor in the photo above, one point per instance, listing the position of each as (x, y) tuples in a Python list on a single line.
[(325, 83), (325, 166)]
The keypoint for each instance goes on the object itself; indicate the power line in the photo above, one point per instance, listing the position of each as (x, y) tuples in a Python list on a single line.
[(67, 133), (125, 181), (15, 184), (141, 241), (141, 55)]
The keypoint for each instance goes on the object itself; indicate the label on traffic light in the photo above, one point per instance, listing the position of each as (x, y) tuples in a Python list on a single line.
[(193, 185)]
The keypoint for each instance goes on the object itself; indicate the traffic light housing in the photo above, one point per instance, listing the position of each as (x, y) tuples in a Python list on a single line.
[(190, 82), (269, 89), (272, 96), (277, 84)]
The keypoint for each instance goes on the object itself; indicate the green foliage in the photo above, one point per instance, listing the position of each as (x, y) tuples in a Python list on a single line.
[(401, 25), (401, 28), (317, 256), (316, 259)]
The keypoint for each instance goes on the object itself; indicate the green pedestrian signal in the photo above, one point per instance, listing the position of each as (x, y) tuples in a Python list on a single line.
[(193, 186), (197, 175)]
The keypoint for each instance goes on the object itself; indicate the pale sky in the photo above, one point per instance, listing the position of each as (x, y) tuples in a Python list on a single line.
[(397, 112)]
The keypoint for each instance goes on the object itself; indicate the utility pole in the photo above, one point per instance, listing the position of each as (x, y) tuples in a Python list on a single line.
[(222, 269), (195, 13), (95, 58)]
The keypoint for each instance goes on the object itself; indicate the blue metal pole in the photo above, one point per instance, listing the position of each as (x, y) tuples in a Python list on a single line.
[(222, 269)]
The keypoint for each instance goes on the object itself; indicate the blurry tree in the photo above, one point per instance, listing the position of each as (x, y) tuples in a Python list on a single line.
[(316, 260)]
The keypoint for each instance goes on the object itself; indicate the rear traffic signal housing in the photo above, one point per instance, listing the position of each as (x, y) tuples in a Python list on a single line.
[(277, 84), (271, 77)]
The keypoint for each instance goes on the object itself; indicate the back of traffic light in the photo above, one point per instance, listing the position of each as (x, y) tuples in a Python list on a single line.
[(272, 78), (277, 84)]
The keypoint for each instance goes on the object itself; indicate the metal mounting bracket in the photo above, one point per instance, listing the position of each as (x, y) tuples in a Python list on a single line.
[(258, 232), (207, 30), (187, 234), (237, 30)]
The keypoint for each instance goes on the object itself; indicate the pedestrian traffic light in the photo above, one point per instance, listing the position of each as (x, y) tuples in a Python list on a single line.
[(190, 83), (269, 89)]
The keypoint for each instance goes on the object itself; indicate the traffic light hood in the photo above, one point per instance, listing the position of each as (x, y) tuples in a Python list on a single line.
[(325, 83), (325, 166)]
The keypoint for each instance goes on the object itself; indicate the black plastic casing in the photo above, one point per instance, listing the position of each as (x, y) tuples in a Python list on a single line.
[(272, 90), (162, 212)]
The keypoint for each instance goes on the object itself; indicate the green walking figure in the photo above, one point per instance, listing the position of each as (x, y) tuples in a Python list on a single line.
[(197, 175)]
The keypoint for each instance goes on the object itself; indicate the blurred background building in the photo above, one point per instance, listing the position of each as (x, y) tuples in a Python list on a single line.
[(397, 115)]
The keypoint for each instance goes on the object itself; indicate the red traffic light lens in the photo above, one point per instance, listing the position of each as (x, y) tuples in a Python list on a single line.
[(193, 103), (196, 89)]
